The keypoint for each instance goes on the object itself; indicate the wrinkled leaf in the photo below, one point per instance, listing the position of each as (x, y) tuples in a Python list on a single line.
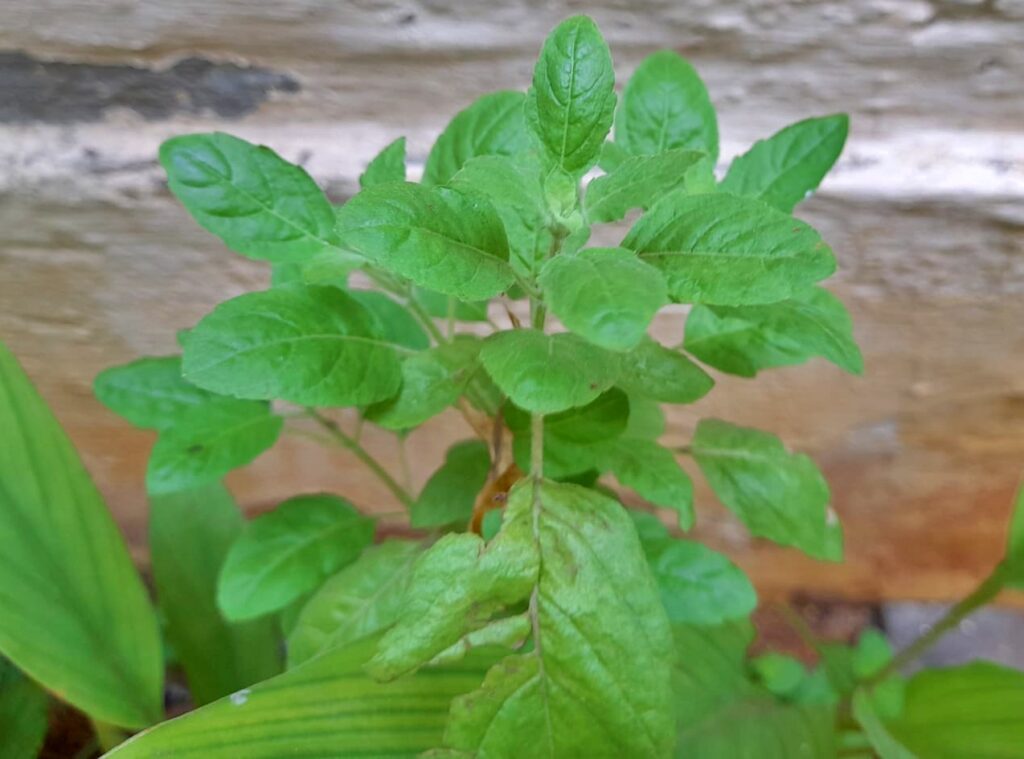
[(449, 494), (149, 392), (287, 552), (76, 617), (387, 166), (637, 182), (314, 346), (653, 371)]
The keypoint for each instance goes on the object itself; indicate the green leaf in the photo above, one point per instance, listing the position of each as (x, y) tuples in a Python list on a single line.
[(442, 306), (653, 472), (289, 552), (646, 419), (697, 585), (967, 712), (362, 599), (492, 125), (595, 683), (665, 106), (514, 187), (76, 617), (745, 339), (315, 346), (259, 204), (653, 371), (394, 322), (729, 251), (571, 104), (326, 708), (23, 714), (789, 165), (206, 442), (781, 674), (608, 296), (871, 655), (777, 494), (449, 495), (544, 374), (637, 182), (432, 381), (149, 392), (440, 238), (190, 533), (721, 713), (878, 734), (387, 166), (1013, 564)]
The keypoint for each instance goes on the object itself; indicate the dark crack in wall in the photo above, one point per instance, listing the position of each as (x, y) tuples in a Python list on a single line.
[(33, 90)]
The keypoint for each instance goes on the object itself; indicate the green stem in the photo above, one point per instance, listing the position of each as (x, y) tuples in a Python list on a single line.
[(985, 592), (107, 736), (337, 434)]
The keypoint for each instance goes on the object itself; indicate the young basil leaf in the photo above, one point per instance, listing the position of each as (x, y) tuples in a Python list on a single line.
[(729, 251), (190, 533), (594, 601), (653, 473), (149, 392), (513, 186), (444, 306), (364, 598), (781, 674), (23, 714), (208, 441), (314, 346), (394, 322), (387, 166), (697, 585), (493, 125), (710, 687), (745, 339), (637, 182), (449, 495), (288, 552), (432, 380), (665, 106), (437, 237), (777, 494), (606, 295), (789, 165), (653, 371), (545, 374), (571, 104), (76, 617), (259, 204)]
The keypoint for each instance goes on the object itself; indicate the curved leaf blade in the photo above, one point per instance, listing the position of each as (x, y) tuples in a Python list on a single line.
[(23, 714), (653, 371), (387, 166), (149, 392), (637, 182), (450, 493)]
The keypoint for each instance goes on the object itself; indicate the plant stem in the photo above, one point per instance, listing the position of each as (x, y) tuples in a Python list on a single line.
[(981, 595), (338, 435), (537, 446)]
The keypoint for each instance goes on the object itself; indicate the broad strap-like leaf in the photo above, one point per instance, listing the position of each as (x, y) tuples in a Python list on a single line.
[(329, 707), (777, 494), (149, 392), (729, 251), (208, 441), (364, 598), (721, 713), (546, 374), (190, 533), (652, 471), (637, 182), (788, 166), (444, 239), (492, 125), (595, 683), (432, 380), (571, 105), (450, 493), (514, 187), (288, 552), (653, 371), (1013, 565), (310, 345), (665, 106), (387, 166), (608, 296), (75, 616), (394, 321), (259, 204), (745, 339), (23, 714)]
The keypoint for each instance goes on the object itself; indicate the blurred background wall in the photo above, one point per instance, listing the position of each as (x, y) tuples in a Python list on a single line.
[(925, 211)]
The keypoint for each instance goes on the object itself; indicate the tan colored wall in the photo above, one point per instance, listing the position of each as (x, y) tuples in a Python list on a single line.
[(925, 211)]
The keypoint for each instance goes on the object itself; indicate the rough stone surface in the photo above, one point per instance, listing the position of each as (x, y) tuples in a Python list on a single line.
[(925, 212)]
